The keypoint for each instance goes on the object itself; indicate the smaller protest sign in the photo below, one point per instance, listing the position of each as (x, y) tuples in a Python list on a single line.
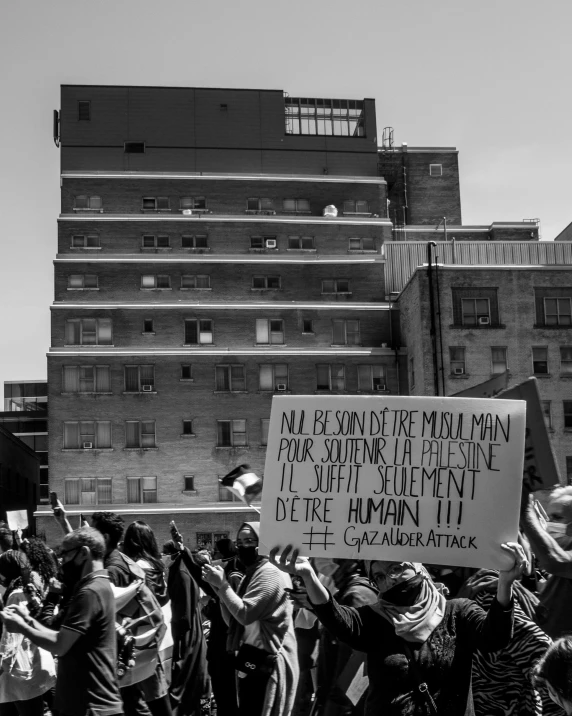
[(17, 519)]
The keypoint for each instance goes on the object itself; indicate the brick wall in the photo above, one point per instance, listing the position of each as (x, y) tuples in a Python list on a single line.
[(430, 198)]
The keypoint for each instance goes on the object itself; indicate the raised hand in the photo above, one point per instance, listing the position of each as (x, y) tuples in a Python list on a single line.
[(290, 561), (519, 562)]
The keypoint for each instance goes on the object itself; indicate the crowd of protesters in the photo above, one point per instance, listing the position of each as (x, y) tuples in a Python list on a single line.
[(111, 624)]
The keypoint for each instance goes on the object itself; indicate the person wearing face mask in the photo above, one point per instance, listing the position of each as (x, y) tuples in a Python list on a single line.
[(85, 644), (552, 547), (418, 645), (261, 630), (554, 671)]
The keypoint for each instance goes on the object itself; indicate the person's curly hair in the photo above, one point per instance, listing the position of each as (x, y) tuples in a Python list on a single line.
[(40, 558), (555, 667), (111, 524)]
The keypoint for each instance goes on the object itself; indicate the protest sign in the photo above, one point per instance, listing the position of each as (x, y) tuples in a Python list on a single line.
[(540, 467), (434, 480), (17, 519)]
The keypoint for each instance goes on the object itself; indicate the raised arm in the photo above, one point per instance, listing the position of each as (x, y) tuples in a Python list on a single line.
[(547, 551)]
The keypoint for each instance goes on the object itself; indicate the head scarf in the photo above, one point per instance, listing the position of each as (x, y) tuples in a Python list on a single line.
[(254, 526), (414, 623)]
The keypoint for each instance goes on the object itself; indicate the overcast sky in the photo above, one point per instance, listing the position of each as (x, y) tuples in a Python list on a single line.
[(490, 77)]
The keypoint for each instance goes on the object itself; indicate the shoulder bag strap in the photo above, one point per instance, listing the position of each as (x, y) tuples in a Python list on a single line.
[(421, 683)]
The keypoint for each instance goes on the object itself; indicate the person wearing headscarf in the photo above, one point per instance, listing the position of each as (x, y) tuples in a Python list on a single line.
[(419, 646), (260, 621)]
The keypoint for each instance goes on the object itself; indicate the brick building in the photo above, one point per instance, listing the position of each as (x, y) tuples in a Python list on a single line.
[(202, 269)]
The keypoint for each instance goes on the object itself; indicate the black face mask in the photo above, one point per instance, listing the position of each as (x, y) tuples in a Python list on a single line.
[(406, 593), (247, 555), (71, 573)]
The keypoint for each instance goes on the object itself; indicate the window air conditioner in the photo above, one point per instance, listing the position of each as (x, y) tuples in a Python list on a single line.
[(270, 243), (281, 386), (87, 446), (188, 212), (379, 386), (146, 388), (484, 321), (459, 371)]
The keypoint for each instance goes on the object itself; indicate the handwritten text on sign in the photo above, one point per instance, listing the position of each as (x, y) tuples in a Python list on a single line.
[(434, 480)]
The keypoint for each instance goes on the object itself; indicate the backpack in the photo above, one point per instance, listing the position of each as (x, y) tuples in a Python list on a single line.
[(140, 628)]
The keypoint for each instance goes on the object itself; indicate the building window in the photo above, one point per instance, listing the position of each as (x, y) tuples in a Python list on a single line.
[(540, 360), (199, 241), (195, 282), (547, 413), (297, 205), (225, 495), (411, 373), (498, 359), (270, 331), (198, 331), (190, 203), (557, 312), (336, 285), (150, 241), (324, 117), (435, 170), (301, 243), (565, 360), (141, 489), (475, 312), (88, 332), (345, 332), (363, 244), (273, 376), (134, 147), (257, 205), (264, 425), (88, 203), (140, 434), (188, 427), (84, 110), (263, 242), (85, 241), (231, 433), (569, 470), (86, 379), (457, 360), (139, 378), (88, 491), (155, 203), (371, 377), (230, 378), (148, 325), (553, 306), (266, 282), (189, 483), (87, 435), (355, 206), (158, 282), (475, 306), (567, 406), (82, 280), (307, 325), (186, 372), (208, 540), (330, 376)]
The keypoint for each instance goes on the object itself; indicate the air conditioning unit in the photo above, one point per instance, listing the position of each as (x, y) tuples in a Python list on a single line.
[(270, 243), (379, 386), (281, 387), (459, 371), (87, 446), (187, 212), (484, 321), (146, 388)]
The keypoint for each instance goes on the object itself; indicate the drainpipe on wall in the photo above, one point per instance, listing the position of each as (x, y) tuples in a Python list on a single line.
[(433, 329)]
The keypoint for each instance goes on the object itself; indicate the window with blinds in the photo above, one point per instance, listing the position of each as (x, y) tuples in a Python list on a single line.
[(273, 376), (330, 376), (498, 359), (371, 377), (231, 433), (198, 331), (87, 434), (79, 281), (88, 331), (264, 426), (269, 331), (88, 491), (140, 434), (86, 379), (230, 378), (195, 282), (141, 489), (139, 378), (565, 360), (345, 332), (88, 203)]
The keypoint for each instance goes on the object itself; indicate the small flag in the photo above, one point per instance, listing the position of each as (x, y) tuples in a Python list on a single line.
[(243, 483)]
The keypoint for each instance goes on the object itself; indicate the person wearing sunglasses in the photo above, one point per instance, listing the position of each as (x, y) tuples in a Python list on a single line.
[(418, 645)]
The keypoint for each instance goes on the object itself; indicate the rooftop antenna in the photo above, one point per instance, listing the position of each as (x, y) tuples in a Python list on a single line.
[(56, 131), (444, 222)]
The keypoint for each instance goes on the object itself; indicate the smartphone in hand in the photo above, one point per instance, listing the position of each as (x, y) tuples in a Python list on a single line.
[(175, 534), (54, 499)]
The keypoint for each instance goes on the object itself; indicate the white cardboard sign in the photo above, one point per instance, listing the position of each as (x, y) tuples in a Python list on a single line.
[(422, 479), (17, 519)]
